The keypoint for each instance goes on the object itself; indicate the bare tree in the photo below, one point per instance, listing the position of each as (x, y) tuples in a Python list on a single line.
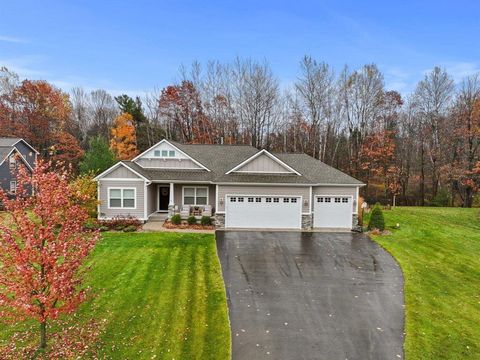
[(316, 89), (433, 97), (255, 92)]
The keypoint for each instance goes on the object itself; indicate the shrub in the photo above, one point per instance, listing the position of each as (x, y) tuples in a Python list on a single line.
[(130, 228), (441, 199), (103, 228), (91, 224), (376, 219), (176, 219), (192, 220), (206, 220), (119, 227)]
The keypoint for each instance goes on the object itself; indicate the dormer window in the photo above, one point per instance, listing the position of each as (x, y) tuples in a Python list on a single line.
[(164, 153)]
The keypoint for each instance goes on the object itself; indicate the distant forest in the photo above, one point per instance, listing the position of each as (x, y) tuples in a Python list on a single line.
[(421, 149)]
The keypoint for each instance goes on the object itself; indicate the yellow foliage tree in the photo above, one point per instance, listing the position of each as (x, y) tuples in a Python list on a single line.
[(124, 140)]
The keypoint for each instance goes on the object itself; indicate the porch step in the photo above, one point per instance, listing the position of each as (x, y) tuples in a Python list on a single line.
[(158, 217)]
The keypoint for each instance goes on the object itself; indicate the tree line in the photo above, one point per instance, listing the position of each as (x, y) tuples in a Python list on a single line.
[(421, 148)]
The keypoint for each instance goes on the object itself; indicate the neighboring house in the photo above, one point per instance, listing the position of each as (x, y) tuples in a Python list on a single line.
[(13, 153), (242, 187)]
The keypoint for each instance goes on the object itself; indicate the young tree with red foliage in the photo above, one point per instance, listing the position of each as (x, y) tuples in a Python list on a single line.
[(42, 249)]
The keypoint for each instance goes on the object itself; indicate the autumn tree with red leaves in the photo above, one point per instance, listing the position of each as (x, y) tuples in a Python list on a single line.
[(377, 159), (182, 107), (35, 111), (124, 140), (42, 249)]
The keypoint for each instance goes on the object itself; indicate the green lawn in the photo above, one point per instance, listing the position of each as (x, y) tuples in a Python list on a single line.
[(158, 296), (439, 252)]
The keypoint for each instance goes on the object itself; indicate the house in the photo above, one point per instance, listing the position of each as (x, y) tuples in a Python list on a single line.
[(242, 186), (14, 152)]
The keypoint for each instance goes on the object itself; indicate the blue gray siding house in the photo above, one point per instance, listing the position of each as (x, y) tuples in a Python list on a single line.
[(14, 152)]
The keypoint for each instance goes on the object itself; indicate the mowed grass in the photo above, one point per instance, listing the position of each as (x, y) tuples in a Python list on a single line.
[(158, 296), (439, 252)]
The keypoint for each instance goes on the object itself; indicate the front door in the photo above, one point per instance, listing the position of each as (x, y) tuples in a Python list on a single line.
[(163, 198)]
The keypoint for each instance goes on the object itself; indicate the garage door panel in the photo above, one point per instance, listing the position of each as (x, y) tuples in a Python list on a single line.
[(333, 211), (279, 212)]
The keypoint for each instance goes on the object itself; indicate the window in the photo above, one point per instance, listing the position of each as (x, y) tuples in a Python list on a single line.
[(121, 198), (268, 200), (233, 199), (250, 199), (197, 196), (240, 199), (320, 199), (344, 200), (327, 200), (12, 161), (337, 200), (258, 200), (293, 200), (171, 153), (286, 200), (13, 187), (157, 153), (276, 200), (164, 153)]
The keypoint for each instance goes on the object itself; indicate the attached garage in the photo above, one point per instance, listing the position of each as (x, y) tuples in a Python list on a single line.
[(333, 211), (255, 211)]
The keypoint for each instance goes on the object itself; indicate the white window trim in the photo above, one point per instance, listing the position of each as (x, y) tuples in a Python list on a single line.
[(175, 148), (14, 183), (121, 197), (195, 195)]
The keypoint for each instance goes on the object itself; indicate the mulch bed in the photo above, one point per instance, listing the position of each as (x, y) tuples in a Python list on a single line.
[(169, 225)]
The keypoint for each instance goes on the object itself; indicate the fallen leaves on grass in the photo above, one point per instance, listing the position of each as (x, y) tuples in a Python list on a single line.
[(70, 341)]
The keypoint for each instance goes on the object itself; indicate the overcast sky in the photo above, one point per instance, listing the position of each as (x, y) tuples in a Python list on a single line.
[(138, 45)]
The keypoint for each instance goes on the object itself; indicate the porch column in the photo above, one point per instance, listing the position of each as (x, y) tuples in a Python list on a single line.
[(172, 201)]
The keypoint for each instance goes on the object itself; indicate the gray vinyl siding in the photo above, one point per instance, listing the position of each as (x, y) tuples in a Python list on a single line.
[(337, 190), (6, 174), (27, 153), (167, 163), (224, 190), (105, 212), (263, 163), (177, 193), (121, 172), (151, 199)]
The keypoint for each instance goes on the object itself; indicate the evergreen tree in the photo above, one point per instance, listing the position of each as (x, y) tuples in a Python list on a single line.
[(98, 158)]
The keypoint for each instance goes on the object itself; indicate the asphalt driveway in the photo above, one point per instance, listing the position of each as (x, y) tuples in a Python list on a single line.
[(298, 295)]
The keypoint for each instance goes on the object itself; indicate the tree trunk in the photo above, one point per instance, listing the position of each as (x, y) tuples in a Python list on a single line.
[(43, 336), (422, 177)]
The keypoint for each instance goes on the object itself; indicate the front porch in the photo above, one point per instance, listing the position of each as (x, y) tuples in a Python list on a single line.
[(167, 199)]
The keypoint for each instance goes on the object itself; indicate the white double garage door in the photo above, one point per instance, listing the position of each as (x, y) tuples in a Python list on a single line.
[(285, 212)]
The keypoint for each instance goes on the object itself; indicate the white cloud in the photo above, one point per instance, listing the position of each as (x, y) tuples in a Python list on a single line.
[(460, 70), (12, 39)]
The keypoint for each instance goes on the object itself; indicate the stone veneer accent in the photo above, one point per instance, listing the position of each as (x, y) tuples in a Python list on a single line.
[(219, 221), (307, 221)]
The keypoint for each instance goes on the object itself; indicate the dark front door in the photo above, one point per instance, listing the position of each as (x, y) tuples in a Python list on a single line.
[(164, 198)]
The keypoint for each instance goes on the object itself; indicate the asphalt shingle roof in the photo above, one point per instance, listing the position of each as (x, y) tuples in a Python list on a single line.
[(5, 142), (219, 159)]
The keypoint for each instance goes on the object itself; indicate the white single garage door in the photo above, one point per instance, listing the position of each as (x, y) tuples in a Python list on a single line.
[(253, 211), (333, 212)]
